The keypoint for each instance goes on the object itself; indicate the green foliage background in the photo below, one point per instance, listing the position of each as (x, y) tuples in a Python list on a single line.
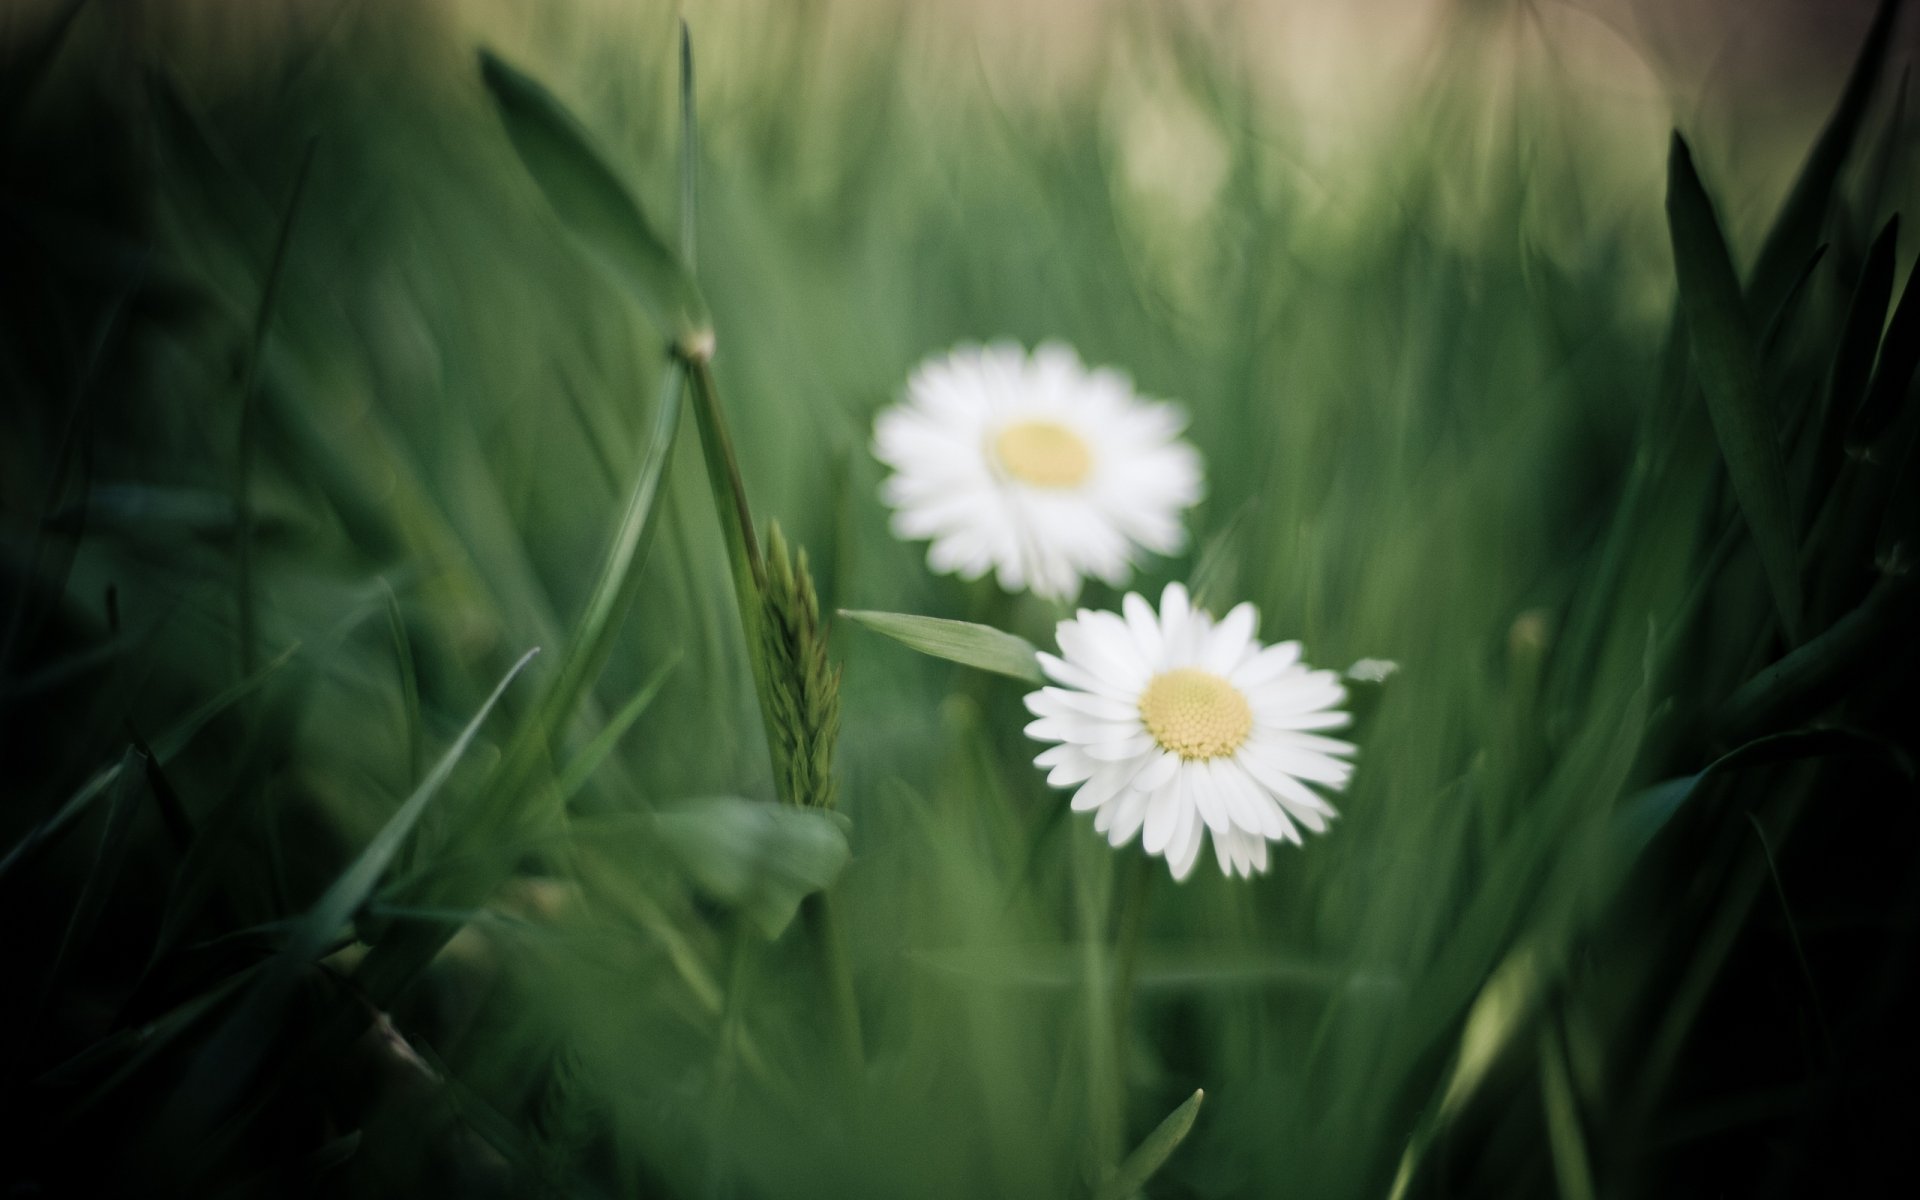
[(318, 420)]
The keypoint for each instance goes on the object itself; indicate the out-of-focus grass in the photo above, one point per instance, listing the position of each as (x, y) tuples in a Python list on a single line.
[(1449, 417)]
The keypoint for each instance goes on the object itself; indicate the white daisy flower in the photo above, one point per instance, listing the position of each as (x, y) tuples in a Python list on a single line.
[(1034, 467), (1173, 726)]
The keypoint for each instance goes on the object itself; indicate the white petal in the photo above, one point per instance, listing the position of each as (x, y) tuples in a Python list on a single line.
[(1163, 813), (1129, 812), (1182, 855)]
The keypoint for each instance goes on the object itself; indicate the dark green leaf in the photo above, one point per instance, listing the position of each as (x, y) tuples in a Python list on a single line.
[(1726, 359), (1647, 813), (970, 645), (1816, 674), (594, 205), (1797, 228), (1899, 355)]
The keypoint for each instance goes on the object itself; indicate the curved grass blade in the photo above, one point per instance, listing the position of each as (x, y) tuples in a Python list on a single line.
[(1726, 359), (1797, 228), (1817, 673), (1152, 1154), (594, 205), (979, 646)]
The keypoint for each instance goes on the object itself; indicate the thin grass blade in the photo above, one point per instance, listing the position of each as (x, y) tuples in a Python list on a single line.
[(1726, 358), (1153, 1153)]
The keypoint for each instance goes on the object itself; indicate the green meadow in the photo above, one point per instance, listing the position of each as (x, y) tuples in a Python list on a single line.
[(437, 459)]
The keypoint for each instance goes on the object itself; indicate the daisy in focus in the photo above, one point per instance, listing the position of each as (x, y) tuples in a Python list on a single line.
[(1176, 727), (1034, 467)]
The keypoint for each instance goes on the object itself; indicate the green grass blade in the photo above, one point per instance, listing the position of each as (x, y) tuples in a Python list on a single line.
[(1816, 674), (588, 760), (594, 205), (1797, 228), (337, 904), (1572, 1165), (607, 607), (970, 645), (1725, 357), (1152, 1154)]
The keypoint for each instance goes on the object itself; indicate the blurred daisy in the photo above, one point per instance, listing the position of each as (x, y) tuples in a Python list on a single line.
[(1034, 467), (1174, 726)]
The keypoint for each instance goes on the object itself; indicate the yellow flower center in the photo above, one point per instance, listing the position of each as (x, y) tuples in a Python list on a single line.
[(1195, 713), (1043, 453)]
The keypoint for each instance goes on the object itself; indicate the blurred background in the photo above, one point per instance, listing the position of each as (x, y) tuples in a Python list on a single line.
[(316, 420)]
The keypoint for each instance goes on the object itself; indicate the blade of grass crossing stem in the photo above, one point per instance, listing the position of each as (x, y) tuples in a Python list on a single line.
[(1798, 226), (1152, 1154), (1725, 358), (595, 206), (249, 402), (979, 646)]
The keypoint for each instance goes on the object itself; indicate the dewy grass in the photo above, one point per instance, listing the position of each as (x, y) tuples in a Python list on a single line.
[(726, 898)]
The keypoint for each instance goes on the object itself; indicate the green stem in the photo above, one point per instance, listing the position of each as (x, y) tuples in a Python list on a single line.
[(831, 945)]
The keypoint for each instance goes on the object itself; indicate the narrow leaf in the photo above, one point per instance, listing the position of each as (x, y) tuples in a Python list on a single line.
[(594, 205), (979, 646), (1647, 813), (1152, 1154), (1899, 355), (583, 766), (1726, 360), (1817, 674), (317, 929), (1798, 226)]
